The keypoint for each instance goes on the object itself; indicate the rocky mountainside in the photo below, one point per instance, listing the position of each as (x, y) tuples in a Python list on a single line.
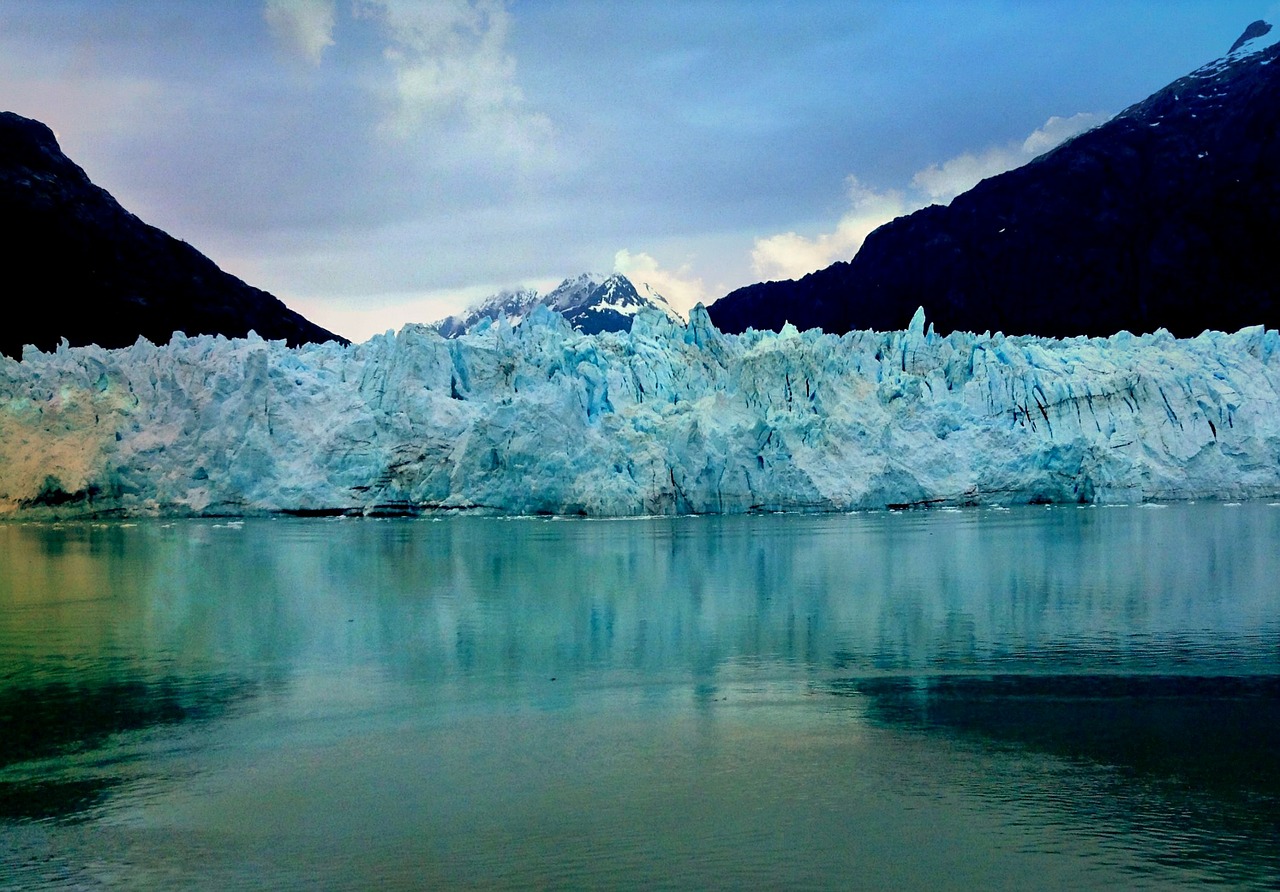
[(1167, 216), (592, 303), (79, 266)]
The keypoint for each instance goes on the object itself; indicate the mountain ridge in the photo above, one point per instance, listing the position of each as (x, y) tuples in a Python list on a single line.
[(591, 302), (1163, 217), (91, 272)]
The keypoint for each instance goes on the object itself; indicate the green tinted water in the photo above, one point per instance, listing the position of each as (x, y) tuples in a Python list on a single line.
[(1037, 698)]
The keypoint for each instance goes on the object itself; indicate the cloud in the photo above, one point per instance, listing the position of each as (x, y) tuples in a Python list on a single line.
[(1058, 130), (378, 313), (942, 182), (303, 27), (790, 255), (451, 63), (682, 290)]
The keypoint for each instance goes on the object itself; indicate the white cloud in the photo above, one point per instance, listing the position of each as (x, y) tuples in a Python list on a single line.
[(790, 255), (374, 314), (304, 27), (451, 62), (681, 289), (942, 182)]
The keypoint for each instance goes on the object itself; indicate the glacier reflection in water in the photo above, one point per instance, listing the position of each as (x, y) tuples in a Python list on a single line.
[(1035, 698)]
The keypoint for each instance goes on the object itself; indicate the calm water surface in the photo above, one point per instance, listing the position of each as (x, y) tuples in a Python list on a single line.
[(1065, 698)]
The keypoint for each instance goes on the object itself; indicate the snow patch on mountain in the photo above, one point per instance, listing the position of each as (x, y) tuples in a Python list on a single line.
[(666, 418), (592, 303), (1256, 38)]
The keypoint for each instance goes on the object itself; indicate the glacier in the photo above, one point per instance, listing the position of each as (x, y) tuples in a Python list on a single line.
[(668, 418)]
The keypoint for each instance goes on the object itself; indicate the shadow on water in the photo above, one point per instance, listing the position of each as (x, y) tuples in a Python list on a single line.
[(73, 725), (1191, 759), (86, 670), (1216, 734)]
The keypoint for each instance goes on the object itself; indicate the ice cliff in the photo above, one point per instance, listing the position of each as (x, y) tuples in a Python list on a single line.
[(666, 418)]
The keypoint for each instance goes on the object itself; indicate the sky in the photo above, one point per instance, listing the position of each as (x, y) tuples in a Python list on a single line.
[(379, 162)]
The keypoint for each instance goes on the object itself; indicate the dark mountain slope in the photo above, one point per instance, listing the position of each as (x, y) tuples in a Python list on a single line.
[(1166, 216), (78, 265)]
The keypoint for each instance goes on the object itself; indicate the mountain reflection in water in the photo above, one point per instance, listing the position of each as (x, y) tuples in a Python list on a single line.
[(76, 721), (1103, 683)]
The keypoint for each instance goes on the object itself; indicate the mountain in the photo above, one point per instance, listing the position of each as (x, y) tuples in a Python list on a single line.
[(1166, 216), (83, 268), (592, 304)]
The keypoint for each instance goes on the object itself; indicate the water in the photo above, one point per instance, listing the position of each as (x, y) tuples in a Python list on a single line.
[(1038, 698)]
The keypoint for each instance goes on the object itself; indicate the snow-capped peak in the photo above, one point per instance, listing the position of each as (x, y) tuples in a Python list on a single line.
[(510, 304), (1257, 37), (591, 303), (649, 293)]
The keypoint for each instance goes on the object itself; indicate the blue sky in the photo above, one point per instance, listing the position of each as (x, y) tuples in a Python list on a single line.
[(378, 162)]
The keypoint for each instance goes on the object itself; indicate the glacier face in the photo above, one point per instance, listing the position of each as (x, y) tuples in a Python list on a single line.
[(666, 418)]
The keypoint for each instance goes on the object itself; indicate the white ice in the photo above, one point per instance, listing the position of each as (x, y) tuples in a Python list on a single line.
[(668, 418)]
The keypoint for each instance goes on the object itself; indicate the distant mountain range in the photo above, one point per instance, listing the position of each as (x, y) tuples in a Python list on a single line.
[(1167, 216), (79, 266), (591, 303)]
